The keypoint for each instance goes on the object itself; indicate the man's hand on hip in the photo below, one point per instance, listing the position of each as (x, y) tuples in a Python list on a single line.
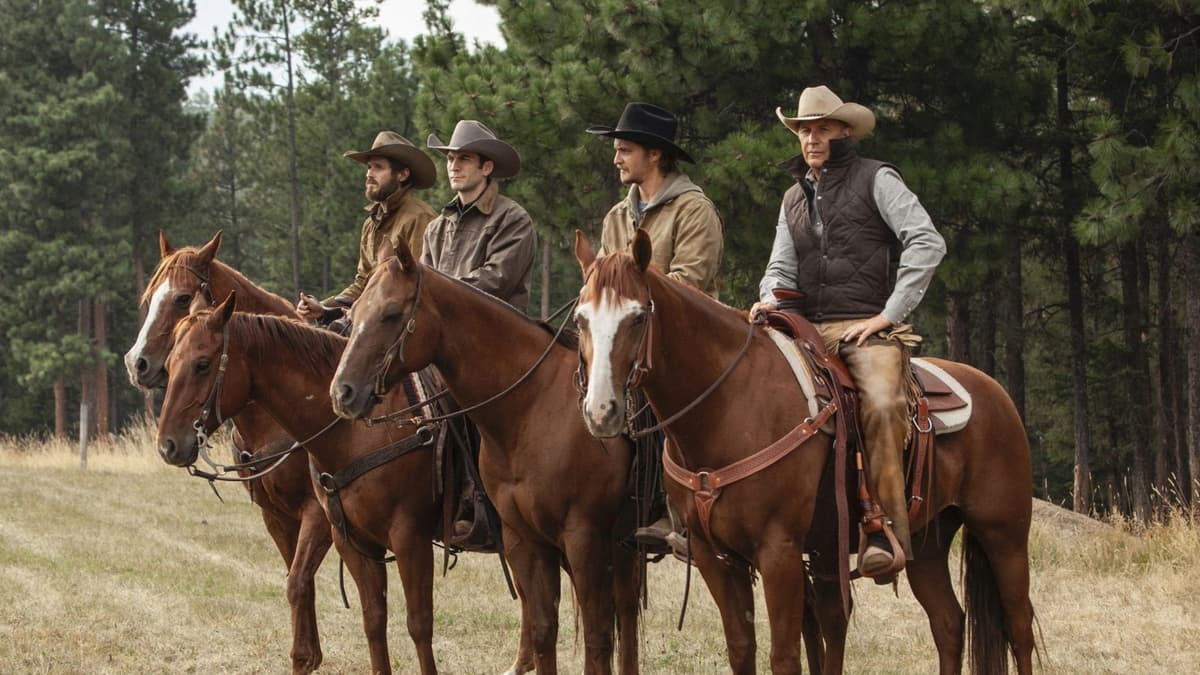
[(859, 331)]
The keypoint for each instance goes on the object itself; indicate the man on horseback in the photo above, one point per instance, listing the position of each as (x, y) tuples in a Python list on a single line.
[(487, 240), (860, 248), (684, 227), (395, 167)]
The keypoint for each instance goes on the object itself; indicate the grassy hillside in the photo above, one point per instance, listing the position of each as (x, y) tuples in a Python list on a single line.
[(131, 566)]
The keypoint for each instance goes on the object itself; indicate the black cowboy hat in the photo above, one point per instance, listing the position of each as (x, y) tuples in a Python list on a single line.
[(393, 145), (648, 125)]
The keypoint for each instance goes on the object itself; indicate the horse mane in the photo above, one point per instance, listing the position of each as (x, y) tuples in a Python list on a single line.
[(569, 338), (180, 262), (619, 272), (264, 335)]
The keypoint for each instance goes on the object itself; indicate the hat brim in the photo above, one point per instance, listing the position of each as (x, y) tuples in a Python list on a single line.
[(859, 118), (506, 162), (424, 173), (642, 138)]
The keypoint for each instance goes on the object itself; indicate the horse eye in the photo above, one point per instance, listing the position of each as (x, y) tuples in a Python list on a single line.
[(581, 322), (201, 367), (391, 317), (639, 318), (183, 300)]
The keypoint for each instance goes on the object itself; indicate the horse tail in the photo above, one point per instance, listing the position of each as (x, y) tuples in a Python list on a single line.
[(987, 639)]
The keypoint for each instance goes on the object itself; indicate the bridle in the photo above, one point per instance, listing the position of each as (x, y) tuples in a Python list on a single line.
[(396, 350), (642, 365)]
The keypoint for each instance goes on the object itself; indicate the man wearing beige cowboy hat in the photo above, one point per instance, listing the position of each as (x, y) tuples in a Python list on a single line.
[(481, 236), (686, 236), (686, 232), (486, 240), (860, 248), (395, 167)]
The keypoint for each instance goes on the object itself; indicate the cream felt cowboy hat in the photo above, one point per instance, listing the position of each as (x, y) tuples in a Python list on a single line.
[(821, 103), (472, 136), (393, 145)]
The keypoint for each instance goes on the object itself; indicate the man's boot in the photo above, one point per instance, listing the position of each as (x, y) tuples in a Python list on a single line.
[(664, 535)]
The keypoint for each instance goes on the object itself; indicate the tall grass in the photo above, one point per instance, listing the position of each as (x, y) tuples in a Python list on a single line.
[(130, 566)]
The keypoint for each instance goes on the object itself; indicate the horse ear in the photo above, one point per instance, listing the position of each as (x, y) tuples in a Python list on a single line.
[(386, 250), (583, 251), (164, 247), (405, 256), (641, 249), (209, 250), (221, 314)]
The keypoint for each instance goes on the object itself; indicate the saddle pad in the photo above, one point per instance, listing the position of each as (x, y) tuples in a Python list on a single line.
[(945, 421)]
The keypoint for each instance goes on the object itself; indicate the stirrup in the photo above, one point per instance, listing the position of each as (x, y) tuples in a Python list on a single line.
[(887, 574)]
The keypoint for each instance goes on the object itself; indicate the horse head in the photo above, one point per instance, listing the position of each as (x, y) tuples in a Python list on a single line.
[(181, 278), (391, 327), (205, 383), (614, 316)]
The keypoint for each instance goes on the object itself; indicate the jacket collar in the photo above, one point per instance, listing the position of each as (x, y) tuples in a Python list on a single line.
[(485, 202), (674, 184), (841, 153), (379, 210)]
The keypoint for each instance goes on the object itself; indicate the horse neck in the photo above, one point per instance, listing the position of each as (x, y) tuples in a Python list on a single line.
[(250, 296), (485, 346)]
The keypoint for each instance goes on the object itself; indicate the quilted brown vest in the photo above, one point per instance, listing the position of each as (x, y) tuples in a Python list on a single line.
[(849, 269)]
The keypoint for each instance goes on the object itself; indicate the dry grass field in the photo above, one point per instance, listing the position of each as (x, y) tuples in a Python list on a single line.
[(131, 566)]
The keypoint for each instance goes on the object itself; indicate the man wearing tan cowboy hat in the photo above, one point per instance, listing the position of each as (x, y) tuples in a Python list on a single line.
[(395, 167), (481, 236), (860, 248), (487, 240), (686, 232)]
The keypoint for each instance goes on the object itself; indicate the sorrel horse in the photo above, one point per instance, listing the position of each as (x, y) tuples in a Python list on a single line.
[(284, 367), (633, 318), (559, 492), (187, 277)]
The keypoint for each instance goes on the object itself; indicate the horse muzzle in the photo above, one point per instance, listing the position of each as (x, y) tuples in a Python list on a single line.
[(605, 419), (351, 402), (178, 451), (145, 372)]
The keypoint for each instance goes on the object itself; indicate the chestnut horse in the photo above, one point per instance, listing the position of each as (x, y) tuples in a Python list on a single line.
[(559, 492), (680, 341), (284, 367), (297, 524)]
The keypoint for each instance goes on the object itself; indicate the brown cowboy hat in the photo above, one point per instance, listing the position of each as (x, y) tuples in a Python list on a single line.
[(647, 125), (472, 136), (392, 145), (821, 103)]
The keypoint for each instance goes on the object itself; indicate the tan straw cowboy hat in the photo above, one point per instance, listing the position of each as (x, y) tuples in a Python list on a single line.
[(393, 145), (821, 103), (472, 136)]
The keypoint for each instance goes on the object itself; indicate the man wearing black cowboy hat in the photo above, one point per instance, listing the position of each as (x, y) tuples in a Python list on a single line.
[(481, 237), (486, 240), (686, 233), (685, 230), (395, 167)]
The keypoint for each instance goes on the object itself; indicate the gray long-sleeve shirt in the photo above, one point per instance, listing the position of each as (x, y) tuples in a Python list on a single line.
[(922, 248)]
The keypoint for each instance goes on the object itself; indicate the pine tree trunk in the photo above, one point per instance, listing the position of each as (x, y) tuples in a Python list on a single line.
[(985, 356), (1014, 324), (293, 153), (545, 278), (60, 407), (1136, 381), (101, 338), (1164, 422), (957, 327), (1192, 333)]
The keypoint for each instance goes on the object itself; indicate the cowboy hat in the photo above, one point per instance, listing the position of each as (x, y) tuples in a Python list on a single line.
[(472, 136), (394, 146), (821, 103), (647, 125)]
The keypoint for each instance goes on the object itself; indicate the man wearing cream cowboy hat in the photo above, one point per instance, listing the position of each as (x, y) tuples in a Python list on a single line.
[(395, 167), (860, 248)]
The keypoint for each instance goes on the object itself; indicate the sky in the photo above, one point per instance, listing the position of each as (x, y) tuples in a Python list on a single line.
[(400, 18)]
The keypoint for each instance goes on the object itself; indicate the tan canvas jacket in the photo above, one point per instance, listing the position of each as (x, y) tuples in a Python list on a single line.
[(490, 246), (402, 217), (686, 232)]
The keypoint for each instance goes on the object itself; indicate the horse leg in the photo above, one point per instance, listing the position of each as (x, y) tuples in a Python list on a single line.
[(312, 542), (781, 563), (832, 618), (929, 577), (588, 556), (627, 586), (729, 584), (414, 560), (1006, 545), (370, 577), (536, 575)]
